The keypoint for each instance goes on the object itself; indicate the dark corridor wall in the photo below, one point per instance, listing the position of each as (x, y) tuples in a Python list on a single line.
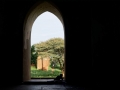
[(92, 41), (105, 33)]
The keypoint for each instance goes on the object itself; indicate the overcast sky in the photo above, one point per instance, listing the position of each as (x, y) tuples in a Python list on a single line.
[(46, 26)]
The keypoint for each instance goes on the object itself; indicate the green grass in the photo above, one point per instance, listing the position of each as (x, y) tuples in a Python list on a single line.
[(33, 68), (44, 74)]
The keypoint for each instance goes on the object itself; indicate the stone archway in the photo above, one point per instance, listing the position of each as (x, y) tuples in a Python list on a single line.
[(29, 20)]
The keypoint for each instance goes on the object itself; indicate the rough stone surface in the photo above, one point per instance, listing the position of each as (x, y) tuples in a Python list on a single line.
[(42, 87)]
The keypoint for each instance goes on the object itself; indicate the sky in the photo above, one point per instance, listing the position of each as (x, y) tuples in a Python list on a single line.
[(46, 26)]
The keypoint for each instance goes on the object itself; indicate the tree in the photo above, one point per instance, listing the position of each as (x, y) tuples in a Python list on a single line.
[(34, 55), (54, 48)]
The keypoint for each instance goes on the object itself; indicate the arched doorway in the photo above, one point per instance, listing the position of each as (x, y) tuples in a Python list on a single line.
[(47, 47), (30, 18)]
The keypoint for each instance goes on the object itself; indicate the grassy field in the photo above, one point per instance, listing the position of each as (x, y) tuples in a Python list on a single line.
[(44, 74)]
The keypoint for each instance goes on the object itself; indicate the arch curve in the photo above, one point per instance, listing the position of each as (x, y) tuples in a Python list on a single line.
[(28, 23)]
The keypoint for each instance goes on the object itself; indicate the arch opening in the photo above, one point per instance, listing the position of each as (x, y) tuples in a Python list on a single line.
[(30, 18), (47, 47)]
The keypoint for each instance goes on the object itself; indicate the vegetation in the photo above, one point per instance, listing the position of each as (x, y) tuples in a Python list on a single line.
[(34, 55), (44, 74), (52, 48)]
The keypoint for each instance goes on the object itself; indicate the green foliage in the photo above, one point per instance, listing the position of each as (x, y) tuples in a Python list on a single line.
[(33, 68), (54, 48), (44, 74), (34, 55)]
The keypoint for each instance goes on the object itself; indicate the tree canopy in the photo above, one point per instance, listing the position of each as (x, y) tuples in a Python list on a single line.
[(53, 48)]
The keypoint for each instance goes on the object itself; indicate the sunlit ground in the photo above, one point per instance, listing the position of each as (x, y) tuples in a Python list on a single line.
[(51, 73)]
